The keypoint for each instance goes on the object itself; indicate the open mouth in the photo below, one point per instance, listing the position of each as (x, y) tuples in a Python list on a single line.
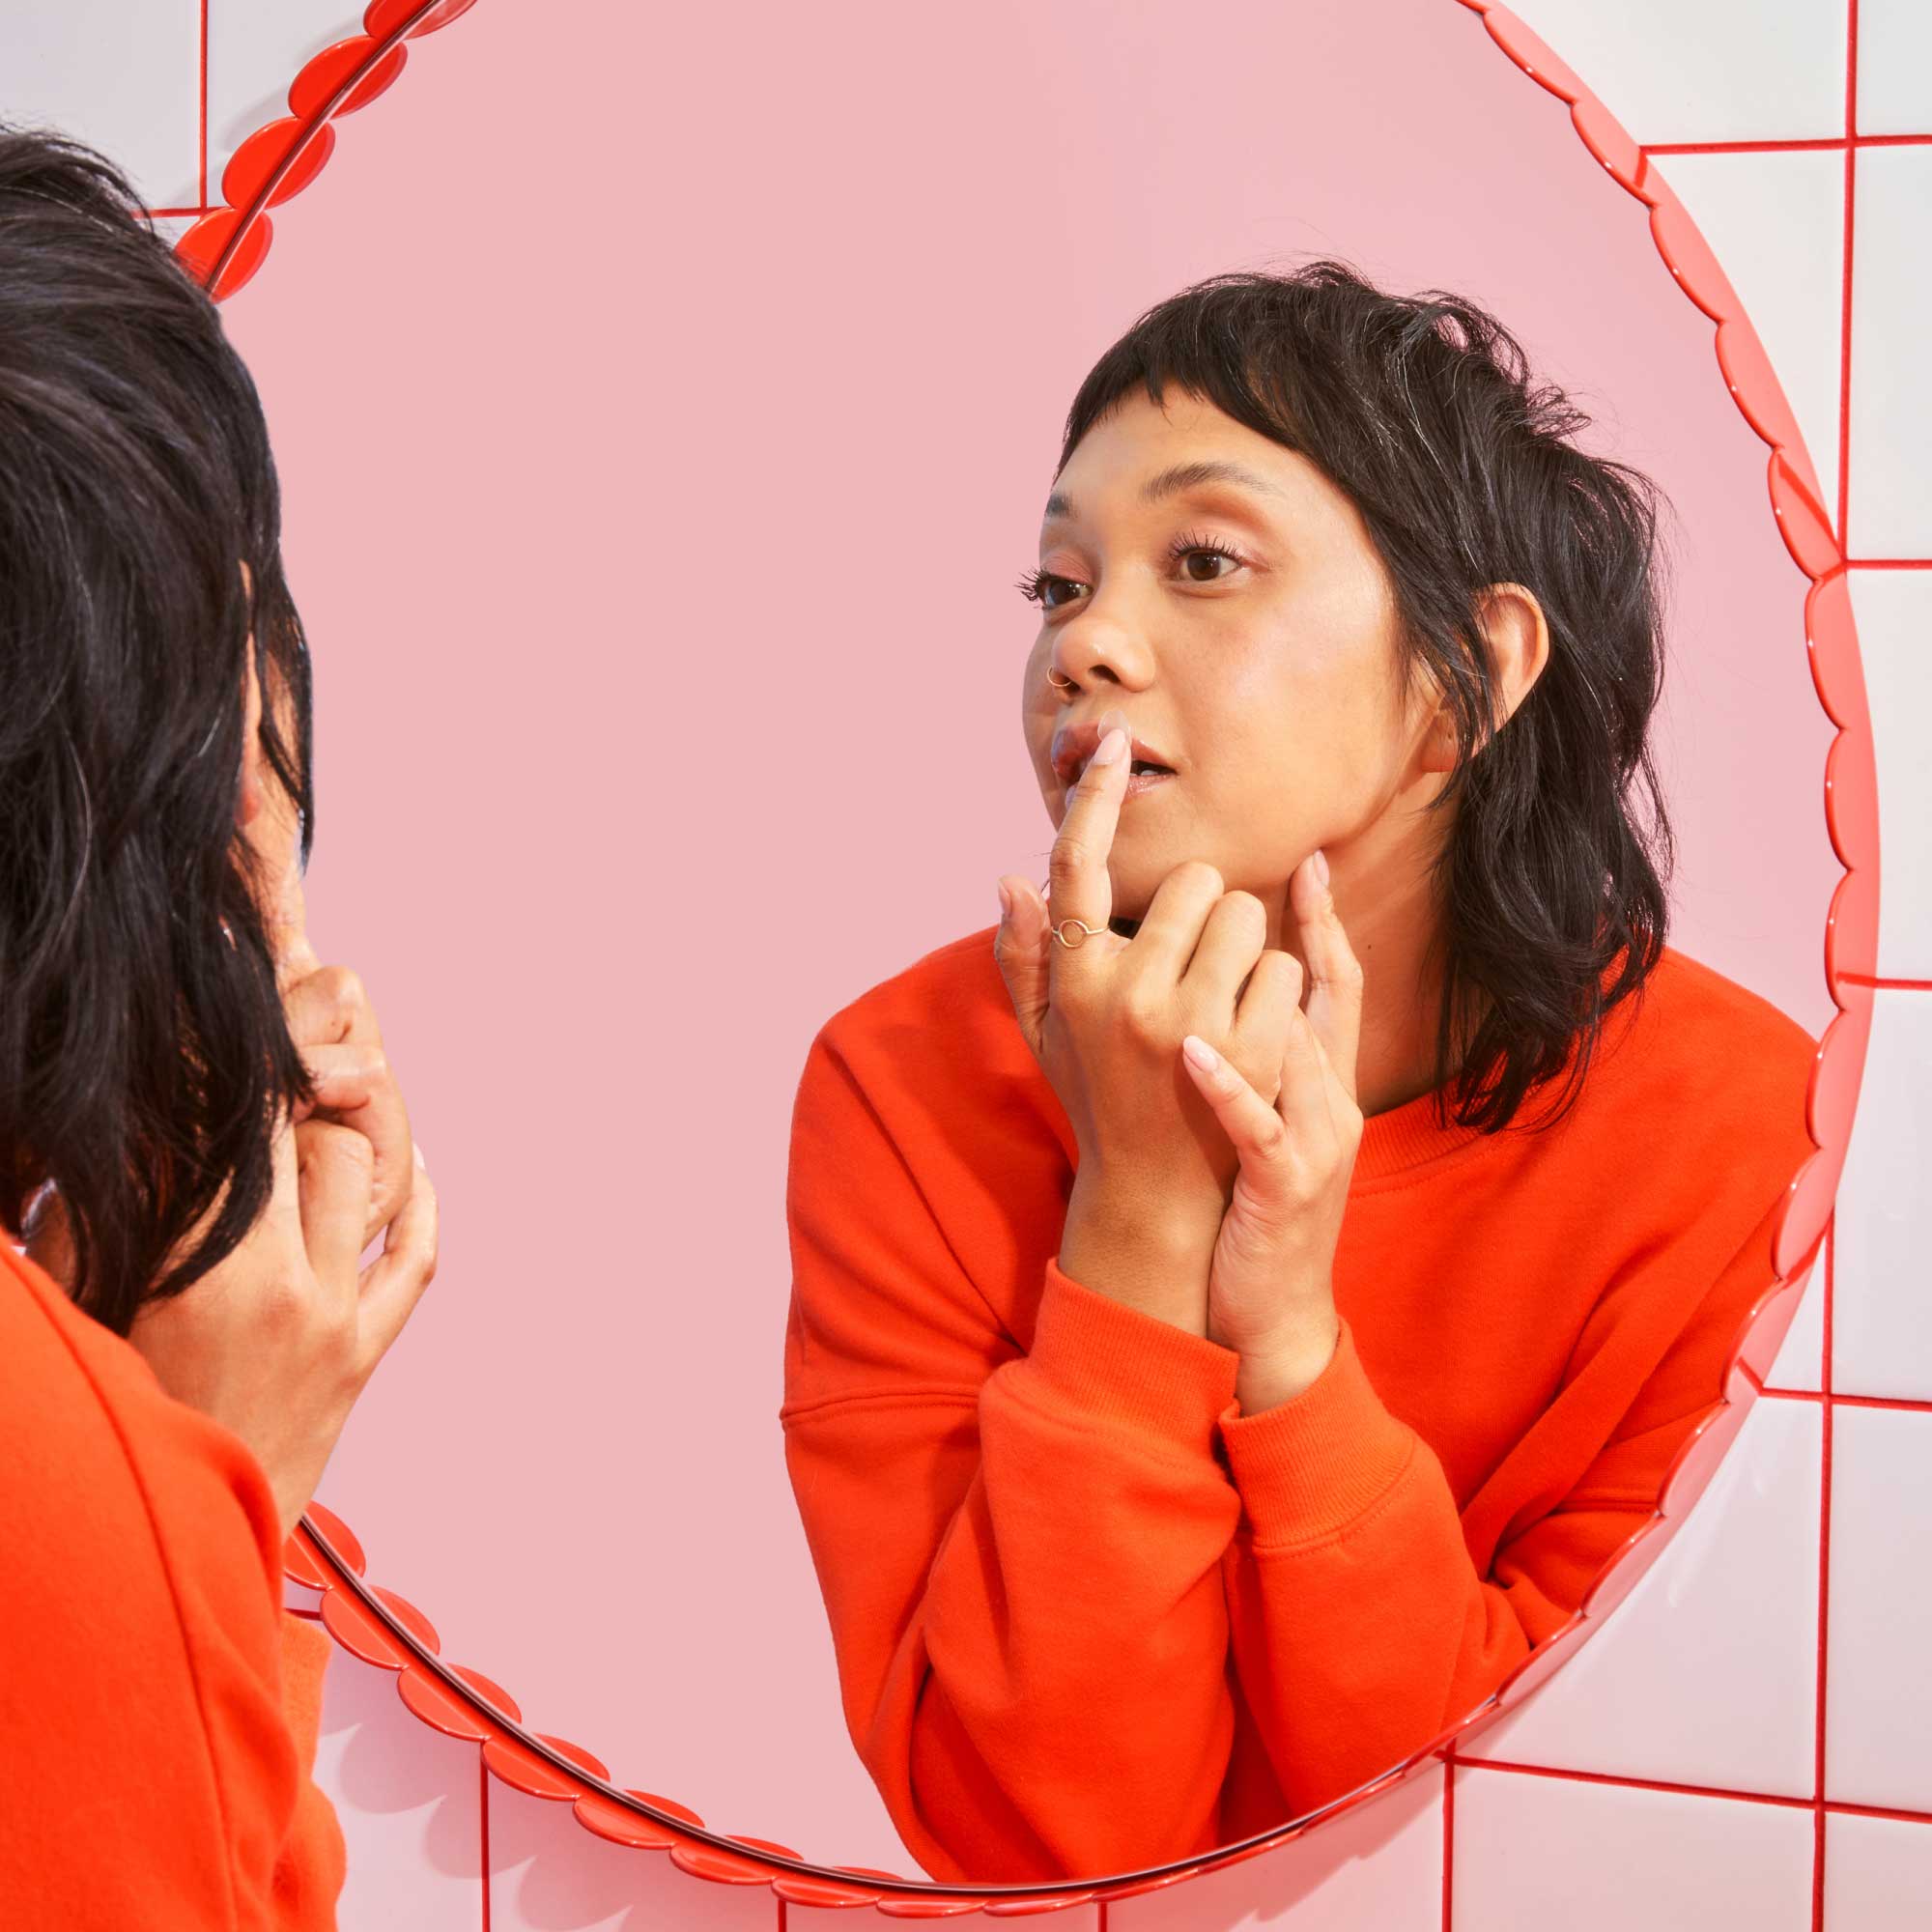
[(1140, 768)]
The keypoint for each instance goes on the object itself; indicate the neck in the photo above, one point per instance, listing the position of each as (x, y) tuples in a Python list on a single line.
[(1389, 906)]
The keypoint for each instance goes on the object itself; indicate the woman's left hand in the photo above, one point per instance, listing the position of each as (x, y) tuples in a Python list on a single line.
[(1270, 1286)]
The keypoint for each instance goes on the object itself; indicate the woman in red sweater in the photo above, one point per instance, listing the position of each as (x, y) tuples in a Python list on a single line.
[(199, 1131), (1208, 1375)]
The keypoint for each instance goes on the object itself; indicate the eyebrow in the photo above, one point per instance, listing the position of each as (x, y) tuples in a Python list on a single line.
[(1179, 477)]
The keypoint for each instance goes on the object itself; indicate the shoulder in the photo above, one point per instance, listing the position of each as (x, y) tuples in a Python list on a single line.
[(1700, 1046), (941, 1028), (1700, 1118)]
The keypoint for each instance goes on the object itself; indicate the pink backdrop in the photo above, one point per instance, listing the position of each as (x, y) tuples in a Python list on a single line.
[(664, 413)]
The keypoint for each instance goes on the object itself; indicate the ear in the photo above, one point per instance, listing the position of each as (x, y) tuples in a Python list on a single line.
[(1518, 636)]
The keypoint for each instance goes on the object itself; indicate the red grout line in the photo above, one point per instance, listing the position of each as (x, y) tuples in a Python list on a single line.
[(483, 1825), (202, 135), (1826, 144), (1893, 986), (1845, 299), (1889, 563), (1448, 1834), (1834, 1401), (1836, 1807), (1824, 1568)]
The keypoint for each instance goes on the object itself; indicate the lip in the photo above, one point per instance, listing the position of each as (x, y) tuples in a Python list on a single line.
[(1074, 744)]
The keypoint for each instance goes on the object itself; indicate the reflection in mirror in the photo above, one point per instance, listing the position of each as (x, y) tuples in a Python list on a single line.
[(1238, 1311), (1144, 1476)]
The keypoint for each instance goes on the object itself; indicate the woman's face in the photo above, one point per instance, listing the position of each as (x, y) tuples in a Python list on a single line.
[(1265, 677)]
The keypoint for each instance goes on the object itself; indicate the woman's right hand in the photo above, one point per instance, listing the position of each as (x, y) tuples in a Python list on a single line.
[(277, 1341), (1105, 1019)]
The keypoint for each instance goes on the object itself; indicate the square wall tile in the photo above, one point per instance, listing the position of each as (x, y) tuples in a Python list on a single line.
[(1878, 1874), (1532, 1853), (1776, 224), (1879, 1669), (1895, 68), (1717, 70), (1882, 1253), (124, 79), (411, 1805), (1377, 1864), (1893, 612), (1800, 1361), (1891, 508), (253, 53), (1707, 1672)]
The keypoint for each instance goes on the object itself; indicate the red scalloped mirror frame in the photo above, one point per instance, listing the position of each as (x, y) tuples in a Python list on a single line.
[(227, 246)]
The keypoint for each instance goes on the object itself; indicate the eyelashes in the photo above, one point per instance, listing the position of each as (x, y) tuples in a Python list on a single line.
[(1034, 584)]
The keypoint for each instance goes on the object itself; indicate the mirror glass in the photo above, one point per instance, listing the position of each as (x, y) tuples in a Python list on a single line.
[(666, 403)]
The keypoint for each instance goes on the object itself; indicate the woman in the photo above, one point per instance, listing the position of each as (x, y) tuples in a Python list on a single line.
[(1207, 1374), (199, 1133)]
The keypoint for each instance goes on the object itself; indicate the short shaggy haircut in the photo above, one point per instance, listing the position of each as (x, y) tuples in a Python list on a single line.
[(144, 1058), (1424, 412)]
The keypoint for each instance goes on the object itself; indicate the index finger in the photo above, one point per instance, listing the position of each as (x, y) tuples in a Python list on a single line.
[(1077, 868), (1334, 1003)]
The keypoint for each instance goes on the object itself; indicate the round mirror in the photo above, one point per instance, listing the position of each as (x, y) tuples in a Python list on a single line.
[(665, 406)]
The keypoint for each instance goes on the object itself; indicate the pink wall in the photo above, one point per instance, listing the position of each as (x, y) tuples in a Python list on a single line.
[(665, 403)]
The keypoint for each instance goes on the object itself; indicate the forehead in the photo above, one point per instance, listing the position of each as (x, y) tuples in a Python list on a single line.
[(1142, 453)]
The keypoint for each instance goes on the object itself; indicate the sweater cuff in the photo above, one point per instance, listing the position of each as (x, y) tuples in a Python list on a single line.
[(1129, 1369), (1310, 1467)]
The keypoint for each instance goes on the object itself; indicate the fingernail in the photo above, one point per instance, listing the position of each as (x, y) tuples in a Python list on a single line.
[(1322, 865), (1006, 902), (418, 1146), (1199, 1052), (1112, 744)]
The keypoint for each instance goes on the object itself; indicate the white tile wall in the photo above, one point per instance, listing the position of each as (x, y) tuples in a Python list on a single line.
[(125, 79), (549, 1874), (1893, 612), (1536, 1852), (1800, 1356), (409, 1801), (1878, 1874), (1878, 1716), (1890, 512), (1882, 1301), (1705, 70), (1895, 67), (1759, 211), (1706, 1673), (1378, 1864)]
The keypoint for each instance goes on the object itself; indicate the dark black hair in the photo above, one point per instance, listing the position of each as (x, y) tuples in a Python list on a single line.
[(144, 1058), (1423, 411)]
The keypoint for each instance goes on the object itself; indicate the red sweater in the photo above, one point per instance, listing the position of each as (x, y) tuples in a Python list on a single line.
[(157, 1707), (1089, 1617)]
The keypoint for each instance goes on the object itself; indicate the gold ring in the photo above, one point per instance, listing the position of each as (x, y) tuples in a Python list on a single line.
[(1075, 944)]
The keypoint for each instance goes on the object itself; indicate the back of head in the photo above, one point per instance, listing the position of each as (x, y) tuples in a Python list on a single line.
[(143, 1057)]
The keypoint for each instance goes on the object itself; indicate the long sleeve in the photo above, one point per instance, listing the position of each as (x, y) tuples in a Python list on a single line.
[(148, 1773), (1369, 1613), (1020, 1554)]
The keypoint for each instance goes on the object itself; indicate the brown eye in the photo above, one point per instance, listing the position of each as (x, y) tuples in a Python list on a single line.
[(1035, 585)]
